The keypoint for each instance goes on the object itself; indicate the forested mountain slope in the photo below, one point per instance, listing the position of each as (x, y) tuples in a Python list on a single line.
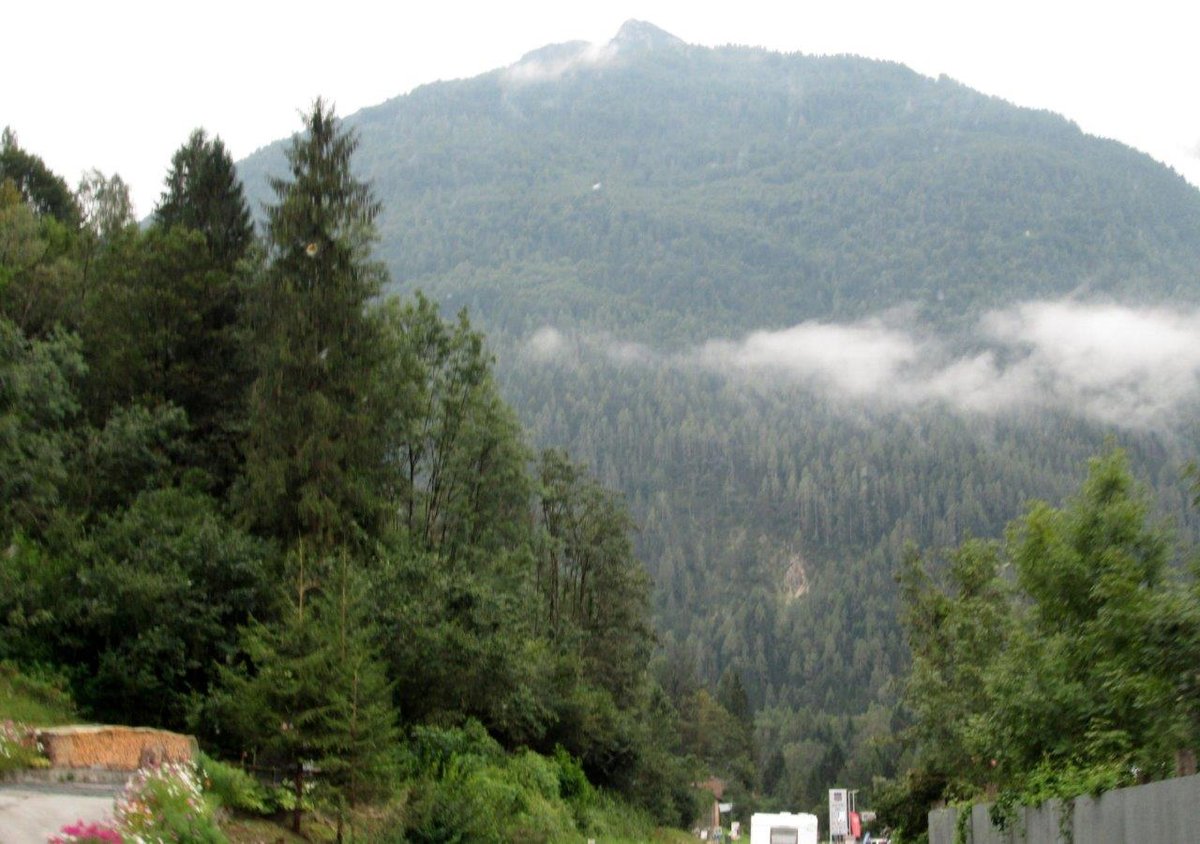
[(801, 310), (658, 188)]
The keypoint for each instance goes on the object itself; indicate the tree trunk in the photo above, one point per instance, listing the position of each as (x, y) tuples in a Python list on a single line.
[(298, 785)]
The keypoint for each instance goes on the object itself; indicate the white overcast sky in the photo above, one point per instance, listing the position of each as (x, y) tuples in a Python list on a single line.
[(118, 85)]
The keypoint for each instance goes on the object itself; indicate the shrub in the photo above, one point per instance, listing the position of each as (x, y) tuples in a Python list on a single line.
[(165, 804), (34, 695), (232, 787), (18, 748)]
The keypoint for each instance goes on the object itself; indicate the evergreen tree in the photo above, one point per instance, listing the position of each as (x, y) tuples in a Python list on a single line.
[(314, 460), (312, 695), (203, 193), (45, 192), (358, 737), (273, 701)]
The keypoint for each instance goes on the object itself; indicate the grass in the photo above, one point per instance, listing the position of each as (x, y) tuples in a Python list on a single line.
[(33, 701), (244, 831)]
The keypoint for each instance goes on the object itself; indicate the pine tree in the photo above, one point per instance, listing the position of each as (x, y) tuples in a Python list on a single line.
[(356, 724), (313, 697), (206, 355), (273, 702), (204, 193), (313, 456)]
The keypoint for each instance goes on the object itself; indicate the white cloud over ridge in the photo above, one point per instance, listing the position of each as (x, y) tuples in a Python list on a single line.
[(1124, 366), (544, 69)]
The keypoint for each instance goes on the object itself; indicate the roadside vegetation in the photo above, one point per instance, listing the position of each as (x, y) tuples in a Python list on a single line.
[(244, 496), (1057, 662)]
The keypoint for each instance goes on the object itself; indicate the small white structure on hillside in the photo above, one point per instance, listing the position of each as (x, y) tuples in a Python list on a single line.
[(783, 828)]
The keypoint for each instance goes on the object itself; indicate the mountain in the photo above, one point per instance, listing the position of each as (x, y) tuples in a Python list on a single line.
[(659, 188), (801, 310)]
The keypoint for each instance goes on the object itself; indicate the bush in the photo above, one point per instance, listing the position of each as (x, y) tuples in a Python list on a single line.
[(232, 787), (35, 696), (165, 803), (18, 748)]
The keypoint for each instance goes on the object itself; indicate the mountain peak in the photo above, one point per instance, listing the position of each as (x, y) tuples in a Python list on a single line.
[(635, 33)]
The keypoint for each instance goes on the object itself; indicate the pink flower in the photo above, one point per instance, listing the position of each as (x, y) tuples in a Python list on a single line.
[(91, 833)]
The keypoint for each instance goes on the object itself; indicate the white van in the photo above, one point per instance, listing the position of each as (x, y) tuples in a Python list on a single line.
[(783, 828)]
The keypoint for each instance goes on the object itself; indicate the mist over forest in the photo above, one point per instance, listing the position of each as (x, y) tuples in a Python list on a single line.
[(652, 412)]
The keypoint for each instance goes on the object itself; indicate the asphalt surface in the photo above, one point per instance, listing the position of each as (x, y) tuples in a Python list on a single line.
[(31, 813)]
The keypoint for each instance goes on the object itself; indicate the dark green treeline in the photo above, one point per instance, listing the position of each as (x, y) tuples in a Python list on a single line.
[(244, 495)]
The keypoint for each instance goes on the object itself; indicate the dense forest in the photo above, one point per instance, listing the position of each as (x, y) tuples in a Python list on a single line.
[(245, 496), (640, 228), (610, 421)]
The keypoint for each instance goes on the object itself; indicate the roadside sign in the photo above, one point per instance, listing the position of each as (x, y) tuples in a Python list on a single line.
[(839, 815)]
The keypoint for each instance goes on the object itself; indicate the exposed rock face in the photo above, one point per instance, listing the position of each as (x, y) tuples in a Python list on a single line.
[(114, 748), (635, 33), (795, 579)]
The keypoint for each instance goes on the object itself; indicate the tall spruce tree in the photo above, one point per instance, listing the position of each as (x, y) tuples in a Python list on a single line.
[(313, 455), (312, 694), (203, 193), (191, 267)]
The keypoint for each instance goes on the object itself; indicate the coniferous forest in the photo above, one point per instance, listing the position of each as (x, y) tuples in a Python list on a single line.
[(471, 464)]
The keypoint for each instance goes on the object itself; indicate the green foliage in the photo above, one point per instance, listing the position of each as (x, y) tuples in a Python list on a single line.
[(462, 489), (314, 694), (166, 586), (1061, 681), (19, 748), (39, 282), (471, 791), (37, 405), (1062, 782), (31, 698), (356, 723), (903, 804), (166, 804), (106, 207), (177, 308), (593, 590), (45, 192), (203, 193), (313, 446), (232, 787), (956, 633)]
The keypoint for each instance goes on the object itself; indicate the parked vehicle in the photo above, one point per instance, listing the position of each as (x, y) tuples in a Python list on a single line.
[(783, 828)]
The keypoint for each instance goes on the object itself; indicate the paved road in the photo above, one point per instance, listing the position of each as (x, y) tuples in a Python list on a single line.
[(29, 814)]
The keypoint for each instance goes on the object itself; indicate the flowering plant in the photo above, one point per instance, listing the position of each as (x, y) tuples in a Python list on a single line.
[(81, 832), (19, 747), (164, 804)]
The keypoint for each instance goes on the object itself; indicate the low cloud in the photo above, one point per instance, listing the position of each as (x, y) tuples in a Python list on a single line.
[(544, 69), (547, 344), (1129, 367), (1126, 366), (860, 359)]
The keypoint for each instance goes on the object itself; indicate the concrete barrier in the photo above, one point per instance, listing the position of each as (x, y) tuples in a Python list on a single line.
[(1167, 811)]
